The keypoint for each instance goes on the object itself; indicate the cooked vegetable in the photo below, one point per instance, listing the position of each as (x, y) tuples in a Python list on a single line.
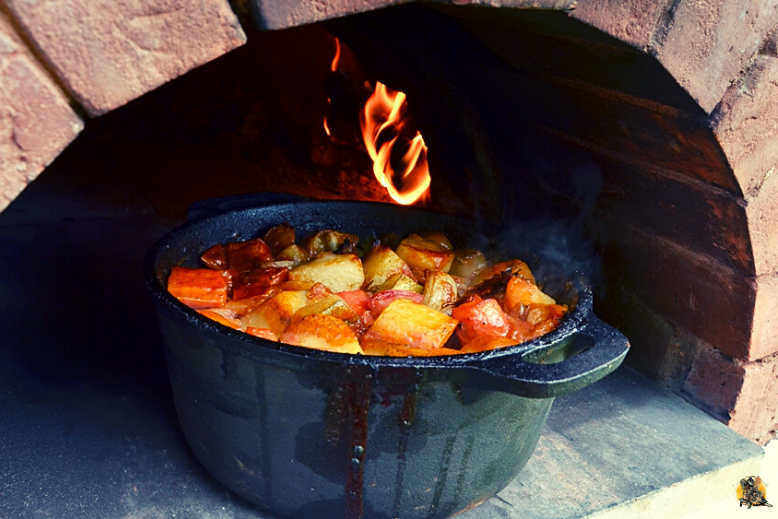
[(423, 254), (380, 264), (407, 323), (198, 288), (338, 272), (417, 296), (322, 332)]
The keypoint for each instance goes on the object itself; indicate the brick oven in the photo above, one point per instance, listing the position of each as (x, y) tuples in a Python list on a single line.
[(645, 130)]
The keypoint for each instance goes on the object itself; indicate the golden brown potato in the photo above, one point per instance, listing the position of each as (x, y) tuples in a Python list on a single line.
[(293, 253), (411, 324), (322, 332), (338, 272), (437, 237), (380, 264), (401, 282), (276, 313), (440, 291), (328, 305), (422, 254), (398, 350)]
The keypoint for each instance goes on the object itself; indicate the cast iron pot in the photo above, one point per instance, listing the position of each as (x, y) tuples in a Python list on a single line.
[(306, 433)]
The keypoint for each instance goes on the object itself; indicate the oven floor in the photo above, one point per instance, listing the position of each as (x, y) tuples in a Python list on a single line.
[(88, 428)]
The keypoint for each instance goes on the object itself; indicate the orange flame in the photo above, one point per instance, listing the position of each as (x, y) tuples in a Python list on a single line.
[(333, 68), (384, 128)]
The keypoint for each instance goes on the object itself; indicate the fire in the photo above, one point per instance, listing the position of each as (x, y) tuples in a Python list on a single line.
[(399, 159), (333, 68), (398, 151)]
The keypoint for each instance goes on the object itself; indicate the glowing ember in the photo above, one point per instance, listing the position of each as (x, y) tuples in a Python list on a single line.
[(398, 151)]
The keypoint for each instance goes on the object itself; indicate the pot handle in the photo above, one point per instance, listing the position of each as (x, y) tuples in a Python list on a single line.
[(597, 350), (223, 204)]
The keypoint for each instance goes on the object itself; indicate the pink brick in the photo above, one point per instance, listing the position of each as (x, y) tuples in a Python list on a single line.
[(108, 52), (764, 336), (631, 21), (703, 297), (714, 383), (755, 414), (273, 15), (36, 122), (746, 123), (707, 45), (744, 395)]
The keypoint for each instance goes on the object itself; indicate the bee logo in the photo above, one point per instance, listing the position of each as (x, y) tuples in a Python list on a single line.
[(752, 491)]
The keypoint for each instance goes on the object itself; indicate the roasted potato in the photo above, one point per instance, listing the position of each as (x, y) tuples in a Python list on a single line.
[(338, 272), (440, 291), (422, 254), (380, 264), (407, 323), (322, 332)]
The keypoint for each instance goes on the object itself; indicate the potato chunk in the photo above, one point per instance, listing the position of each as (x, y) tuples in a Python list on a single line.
[(328, 305), (401, 282), (411, 324), (380, 264), (423, 254), (276, 313), (440, 291), (322, 332), (338, 272)]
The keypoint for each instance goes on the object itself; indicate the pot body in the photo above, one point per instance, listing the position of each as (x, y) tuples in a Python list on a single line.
[(315, 439), (308, 433)]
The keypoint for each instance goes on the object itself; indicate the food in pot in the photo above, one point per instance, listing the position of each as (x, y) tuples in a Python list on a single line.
[(414, 297)]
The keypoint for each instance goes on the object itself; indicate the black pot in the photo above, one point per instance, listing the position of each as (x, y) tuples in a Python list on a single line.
[(307, 433)]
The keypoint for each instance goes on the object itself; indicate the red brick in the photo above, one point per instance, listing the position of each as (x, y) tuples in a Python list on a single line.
[(658, 348), (641, 135), (704, 297), (36, 122), (755, 413), (714, 383), (708, 221), (762, 212), (107, 53), (706, 45)]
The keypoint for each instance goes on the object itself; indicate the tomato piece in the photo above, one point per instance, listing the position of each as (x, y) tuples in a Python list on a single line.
[(381, 300), (484, 317), (357, 300)]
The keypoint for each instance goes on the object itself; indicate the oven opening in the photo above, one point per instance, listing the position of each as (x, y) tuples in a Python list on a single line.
[(604, 140)]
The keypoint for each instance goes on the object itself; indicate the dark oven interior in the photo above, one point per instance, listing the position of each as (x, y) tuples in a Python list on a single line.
[(540, 126)]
